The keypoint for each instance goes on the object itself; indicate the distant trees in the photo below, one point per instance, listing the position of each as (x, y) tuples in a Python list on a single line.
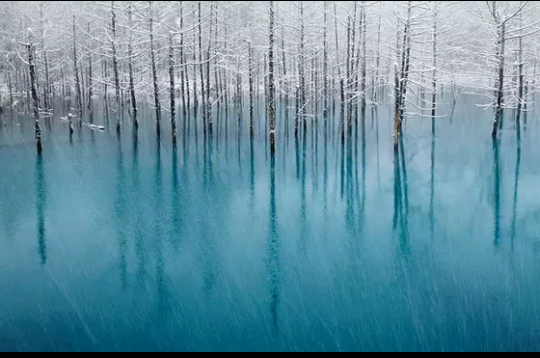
[(210, 55)]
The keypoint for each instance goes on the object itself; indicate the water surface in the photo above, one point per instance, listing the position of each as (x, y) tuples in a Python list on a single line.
[(115, 244)]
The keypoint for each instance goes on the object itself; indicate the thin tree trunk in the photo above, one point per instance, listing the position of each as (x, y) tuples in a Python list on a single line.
[(157, 103), (172, 87), (302, 66), (208, 63), (115, 67), (364, 61), (325, 69), (130, 69), (185, 105), (33, 89), (497, 124), (434, 93), (272, 100), (251, 94), (201, 68), (90, 85), (521, 76), (78, 93)]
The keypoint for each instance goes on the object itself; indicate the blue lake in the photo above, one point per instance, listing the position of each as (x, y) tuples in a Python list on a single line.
[(127, 244)]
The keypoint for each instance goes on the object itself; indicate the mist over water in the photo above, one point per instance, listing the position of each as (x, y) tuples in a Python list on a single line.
[(131, 244)]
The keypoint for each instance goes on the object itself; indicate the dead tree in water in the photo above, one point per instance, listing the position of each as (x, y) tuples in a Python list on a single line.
[(251, 93), (115, 67), (272, 100), (157, 103), (172, 87), (33, 88), (78, 93), (502, 17), (130, 68), (402, 76)]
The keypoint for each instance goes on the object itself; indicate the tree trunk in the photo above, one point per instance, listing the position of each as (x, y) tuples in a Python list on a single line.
[(325, 72), (130, 69), (497, 123), (208, 87), (172, 87), (33, 89), (364, 60), (201, 68), (302, 66), (397, 115), (157, 103), (272, 100), (115, 68), (185, 105), (434, 88), (78, 94), (251, 94), (90, 86)]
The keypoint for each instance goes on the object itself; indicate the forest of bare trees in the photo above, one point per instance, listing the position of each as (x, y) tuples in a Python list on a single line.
[(311, 59)]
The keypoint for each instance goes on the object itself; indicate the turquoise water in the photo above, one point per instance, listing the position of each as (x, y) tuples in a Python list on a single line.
[(126, 244)]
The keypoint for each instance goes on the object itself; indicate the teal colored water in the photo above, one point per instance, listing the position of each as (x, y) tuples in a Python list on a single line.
[(111, 244)]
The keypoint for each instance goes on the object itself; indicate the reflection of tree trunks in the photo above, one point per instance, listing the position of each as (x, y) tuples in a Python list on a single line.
[(364, 173), (349, 191), (158, 197), (274, 247), (139, 244), (516, 189), (176, 203), (120, 207), (397, 189), (432, 188), (252, 174), (41, 200), (401, 197), (497, 194), (303, 202)]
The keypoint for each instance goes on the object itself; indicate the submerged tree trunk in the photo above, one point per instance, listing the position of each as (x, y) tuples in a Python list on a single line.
[(272, 100), (33, 89)]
